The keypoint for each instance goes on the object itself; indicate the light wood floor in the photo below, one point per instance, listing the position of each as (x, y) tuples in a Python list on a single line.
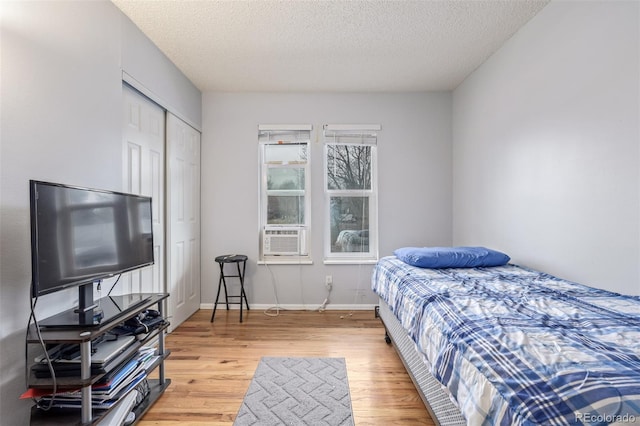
[(211, 365)]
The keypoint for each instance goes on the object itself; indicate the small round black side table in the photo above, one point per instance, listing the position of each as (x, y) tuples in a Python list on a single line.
[(237, 259)]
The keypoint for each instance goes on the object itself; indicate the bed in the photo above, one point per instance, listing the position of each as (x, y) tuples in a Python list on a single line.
[(510, 345)]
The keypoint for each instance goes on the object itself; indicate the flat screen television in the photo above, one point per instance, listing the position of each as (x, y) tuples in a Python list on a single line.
[(82, 235)]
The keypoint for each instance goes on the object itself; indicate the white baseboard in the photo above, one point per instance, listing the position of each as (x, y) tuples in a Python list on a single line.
[(292, 307)]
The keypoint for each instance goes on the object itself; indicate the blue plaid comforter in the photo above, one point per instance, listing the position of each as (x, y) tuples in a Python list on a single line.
[(517, 346)]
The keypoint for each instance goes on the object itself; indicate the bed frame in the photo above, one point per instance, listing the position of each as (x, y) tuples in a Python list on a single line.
[(443, 411)]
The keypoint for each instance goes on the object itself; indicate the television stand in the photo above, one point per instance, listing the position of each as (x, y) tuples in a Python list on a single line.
[(129, 307)]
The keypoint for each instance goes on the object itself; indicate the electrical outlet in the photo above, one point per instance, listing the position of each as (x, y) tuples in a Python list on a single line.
[(328, 281)]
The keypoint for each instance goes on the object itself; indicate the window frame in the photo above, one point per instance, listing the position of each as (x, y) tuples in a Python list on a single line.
[(277, 135), (351, 135)]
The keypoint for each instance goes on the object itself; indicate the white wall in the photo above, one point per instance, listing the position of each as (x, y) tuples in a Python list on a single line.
[(414, 159), (61, 104), (546, 146), (157, 77)]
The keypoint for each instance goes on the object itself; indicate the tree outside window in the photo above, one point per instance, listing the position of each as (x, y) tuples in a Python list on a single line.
[(351, 197)]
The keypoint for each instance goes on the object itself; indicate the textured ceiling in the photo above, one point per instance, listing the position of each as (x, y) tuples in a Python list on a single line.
[(329, 46)]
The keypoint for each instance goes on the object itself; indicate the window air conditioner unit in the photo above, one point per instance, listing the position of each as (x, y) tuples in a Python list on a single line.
[(281, 241)]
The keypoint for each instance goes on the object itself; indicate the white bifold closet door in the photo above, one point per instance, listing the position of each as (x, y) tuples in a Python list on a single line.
[(144, 174), (160, 148), (183, 217)]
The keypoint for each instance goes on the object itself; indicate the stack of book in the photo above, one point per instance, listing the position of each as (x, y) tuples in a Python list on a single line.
[(125, 385)]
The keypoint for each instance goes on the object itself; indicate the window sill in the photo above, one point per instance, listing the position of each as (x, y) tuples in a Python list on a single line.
[(350, 261), (293, 261)]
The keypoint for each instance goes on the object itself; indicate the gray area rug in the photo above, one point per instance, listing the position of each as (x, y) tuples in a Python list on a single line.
[(297, 391)]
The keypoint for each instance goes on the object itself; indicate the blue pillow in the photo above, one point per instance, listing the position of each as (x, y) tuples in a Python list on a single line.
[(451, 257)]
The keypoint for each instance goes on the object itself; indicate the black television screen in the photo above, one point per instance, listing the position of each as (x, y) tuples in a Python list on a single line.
[(81, 235)]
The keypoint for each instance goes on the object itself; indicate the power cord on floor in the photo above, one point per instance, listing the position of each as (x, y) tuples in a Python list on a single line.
[(323, 306), (277, 307)]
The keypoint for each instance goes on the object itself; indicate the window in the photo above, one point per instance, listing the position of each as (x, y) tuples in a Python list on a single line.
[(351, 193), (284, 191)]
